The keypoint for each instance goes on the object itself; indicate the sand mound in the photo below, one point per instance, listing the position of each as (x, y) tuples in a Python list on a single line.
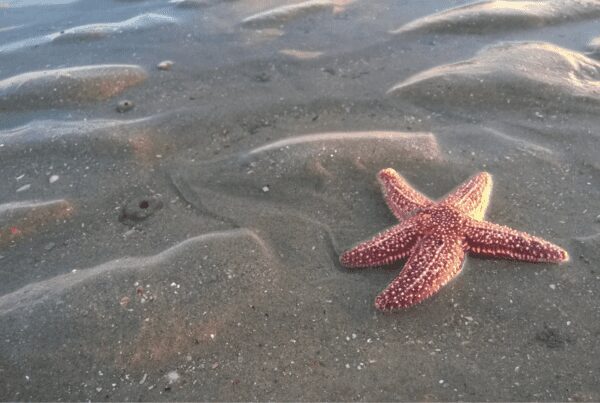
[(501, 15), (96, 31), (279, 15), (594, 47), (68, 86), (510, 76)]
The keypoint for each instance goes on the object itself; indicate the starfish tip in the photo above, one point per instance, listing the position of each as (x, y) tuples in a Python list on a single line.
[(564, 256), (346, 259), (485, 176), (386, 175), (381, 305)]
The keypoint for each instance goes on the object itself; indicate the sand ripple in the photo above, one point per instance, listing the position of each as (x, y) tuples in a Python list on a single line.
[(512, 75), (501, 15), (26, 218), (96, 31), (68, 86), (279, 15), (191, 3), (92, 31), (195, 294), (30, 3), (36, 293)]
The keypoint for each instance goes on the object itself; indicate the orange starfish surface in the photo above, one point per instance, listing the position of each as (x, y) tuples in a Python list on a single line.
[(436, 236)]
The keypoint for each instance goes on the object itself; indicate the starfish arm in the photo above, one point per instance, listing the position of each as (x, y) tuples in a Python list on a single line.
[(493, 240), (473, 197), (385, 248), (400, 197), (434, 262)]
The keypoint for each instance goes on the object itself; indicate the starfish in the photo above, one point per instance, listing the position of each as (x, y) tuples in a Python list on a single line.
[(435, 236)]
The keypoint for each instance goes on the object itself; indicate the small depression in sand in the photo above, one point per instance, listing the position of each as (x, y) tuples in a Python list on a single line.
[(501, 15), (511, 76), (310, 176), (67, 86)]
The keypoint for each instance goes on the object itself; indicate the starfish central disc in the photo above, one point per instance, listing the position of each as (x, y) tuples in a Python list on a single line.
[(436, 236), (440, 220)]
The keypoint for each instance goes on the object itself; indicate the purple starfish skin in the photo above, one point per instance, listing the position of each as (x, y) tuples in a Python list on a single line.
[(435, 237)]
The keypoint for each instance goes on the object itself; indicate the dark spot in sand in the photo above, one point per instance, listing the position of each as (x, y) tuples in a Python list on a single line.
[(262, 77), (329, 70), (551, 338), (125, 105), (139, 209)]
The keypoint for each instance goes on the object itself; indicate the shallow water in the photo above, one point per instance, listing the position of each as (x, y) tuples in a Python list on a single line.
[(185, 246)]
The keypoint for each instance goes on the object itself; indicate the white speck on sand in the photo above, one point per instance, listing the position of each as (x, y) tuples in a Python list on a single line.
[(173, 376)]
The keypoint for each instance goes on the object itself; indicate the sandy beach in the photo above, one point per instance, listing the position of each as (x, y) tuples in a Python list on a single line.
[(180, 177)]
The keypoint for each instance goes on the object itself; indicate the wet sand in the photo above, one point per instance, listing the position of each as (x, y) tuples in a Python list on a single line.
[(185, 247)]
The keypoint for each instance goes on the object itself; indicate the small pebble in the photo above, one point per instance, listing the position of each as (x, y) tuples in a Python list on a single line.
[(125, 105), (124, 301), (165, 65), (53, 178), (49, 246), (265, 188), (552, 286)]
